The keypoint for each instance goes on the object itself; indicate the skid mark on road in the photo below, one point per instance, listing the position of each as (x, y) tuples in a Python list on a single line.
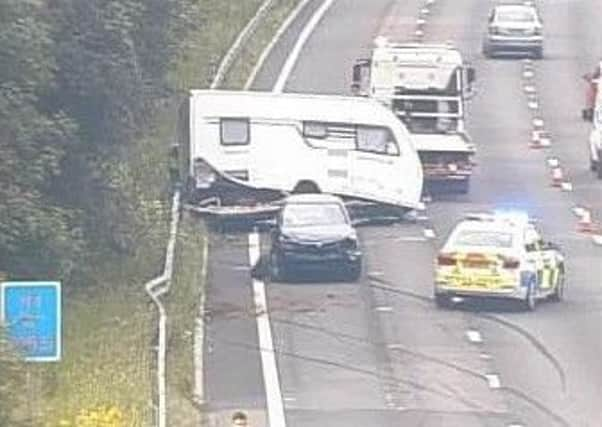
[(538, 345), (530, 338)]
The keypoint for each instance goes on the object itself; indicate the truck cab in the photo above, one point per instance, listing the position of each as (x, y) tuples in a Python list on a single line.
[(426, 86)]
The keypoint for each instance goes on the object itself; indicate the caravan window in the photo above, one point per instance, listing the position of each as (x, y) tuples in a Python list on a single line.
[(377, 140), (234, 131), (315, 130)]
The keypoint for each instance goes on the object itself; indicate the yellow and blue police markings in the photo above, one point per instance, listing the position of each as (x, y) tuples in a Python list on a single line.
[(549, 274), (490, 276)]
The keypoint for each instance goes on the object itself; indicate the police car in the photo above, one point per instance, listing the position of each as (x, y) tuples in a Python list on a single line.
[(499, 255)]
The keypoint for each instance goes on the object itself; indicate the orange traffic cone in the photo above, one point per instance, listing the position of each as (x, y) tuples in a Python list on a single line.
[(534, 139), (585, 224), (557, 176)]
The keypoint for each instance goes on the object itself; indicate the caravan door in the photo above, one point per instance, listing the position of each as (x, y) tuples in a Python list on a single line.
[(375, 159), (334, 145)]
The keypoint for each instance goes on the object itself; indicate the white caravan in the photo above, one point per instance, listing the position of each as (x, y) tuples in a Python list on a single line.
[(426, 86), (350, 146)]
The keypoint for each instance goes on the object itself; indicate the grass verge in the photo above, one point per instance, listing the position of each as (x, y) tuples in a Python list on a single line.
[(183, 306)]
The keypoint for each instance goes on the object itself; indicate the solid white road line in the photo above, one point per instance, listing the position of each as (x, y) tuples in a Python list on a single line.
[(199, 336), (303, 37), (271, 379)]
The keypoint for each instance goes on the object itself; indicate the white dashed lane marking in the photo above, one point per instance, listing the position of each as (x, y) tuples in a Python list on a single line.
[(566, 186), (429, 233), (528, 74), (578, 211), (474, 336), (493, 380), (411, 239)]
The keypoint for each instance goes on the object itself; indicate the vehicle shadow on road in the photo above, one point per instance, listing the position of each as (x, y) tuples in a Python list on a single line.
[(489, 306), (317, 276)]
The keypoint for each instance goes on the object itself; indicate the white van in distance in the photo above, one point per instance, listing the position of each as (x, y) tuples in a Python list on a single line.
[(349, 146)]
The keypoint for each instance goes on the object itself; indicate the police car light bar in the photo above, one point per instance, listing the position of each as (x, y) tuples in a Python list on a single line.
[(514, 217)]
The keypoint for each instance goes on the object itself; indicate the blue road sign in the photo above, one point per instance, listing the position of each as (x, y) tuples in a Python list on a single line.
[(31, 313)]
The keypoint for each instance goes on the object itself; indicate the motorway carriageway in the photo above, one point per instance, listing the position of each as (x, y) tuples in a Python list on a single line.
[(378, 352)]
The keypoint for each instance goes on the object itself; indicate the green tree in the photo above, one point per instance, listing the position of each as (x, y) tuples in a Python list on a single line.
[(36, 233)]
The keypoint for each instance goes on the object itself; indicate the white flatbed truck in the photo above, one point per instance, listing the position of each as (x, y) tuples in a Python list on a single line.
[(426, 86)]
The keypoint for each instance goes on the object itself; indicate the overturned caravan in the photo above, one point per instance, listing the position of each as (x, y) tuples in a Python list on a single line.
[(250, 149)]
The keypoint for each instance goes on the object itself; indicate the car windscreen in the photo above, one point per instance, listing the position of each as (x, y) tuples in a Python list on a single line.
[(483, 238), (515, 15), (312, 214)]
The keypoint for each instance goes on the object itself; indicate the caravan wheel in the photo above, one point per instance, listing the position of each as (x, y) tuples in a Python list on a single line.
[(306, 187)]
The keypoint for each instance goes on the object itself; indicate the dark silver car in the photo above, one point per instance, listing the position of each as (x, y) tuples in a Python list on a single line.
[(313, 231), (514, 28)]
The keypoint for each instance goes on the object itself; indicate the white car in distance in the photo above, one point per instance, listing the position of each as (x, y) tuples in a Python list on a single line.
[(514, 28)]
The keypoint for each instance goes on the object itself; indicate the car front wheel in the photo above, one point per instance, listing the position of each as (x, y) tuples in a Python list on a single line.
[(443, 301), (529, 303), (354, 271), (558, 294), (277, 268)]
